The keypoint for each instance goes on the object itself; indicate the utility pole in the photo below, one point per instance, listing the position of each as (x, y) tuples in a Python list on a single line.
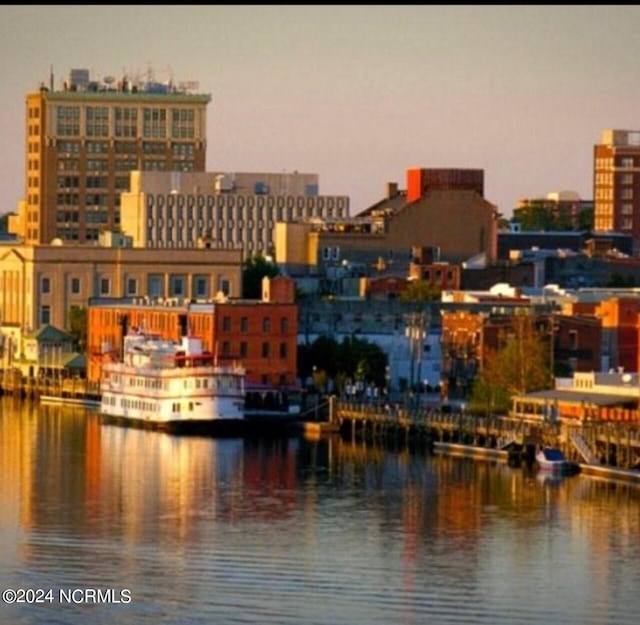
[(416, 332), (553, 328)]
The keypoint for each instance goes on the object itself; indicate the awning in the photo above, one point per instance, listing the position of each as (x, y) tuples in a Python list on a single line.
[(578, 398)]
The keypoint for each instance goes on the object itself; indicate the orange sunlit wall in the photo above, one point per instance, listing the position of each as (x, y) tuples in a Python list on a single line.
[(414, 184), (620, 321), (261, 335)]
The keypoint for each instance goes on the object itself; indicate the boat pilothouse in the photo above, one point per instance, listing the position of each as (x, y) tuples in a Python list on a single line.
[(163, 382)]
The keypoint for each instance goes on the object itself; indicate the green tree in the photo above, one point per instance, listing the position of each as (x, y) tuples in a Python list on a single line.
[(78, 326), (546, 216), (353, 358), (520, 365), (254, 269), (488, 393), (361, 359), (535, 216), (503, 222)]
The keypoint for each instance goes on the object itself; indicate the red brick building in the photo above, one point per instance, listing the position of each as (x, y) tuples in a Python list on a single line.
[(468, 336), (619, 317), (262, 334)]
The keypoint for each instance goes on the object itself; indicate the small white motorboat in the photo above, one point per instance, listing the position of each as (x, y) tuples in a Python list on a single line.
[(552, 459)]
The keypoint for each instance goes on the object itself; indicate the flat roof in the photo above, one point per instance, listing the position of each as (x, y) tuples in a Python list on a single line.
[(599, 399)]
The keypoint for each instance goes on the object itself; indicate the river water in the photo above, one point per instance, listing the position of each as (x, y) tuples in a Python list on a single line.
[(103, 524)]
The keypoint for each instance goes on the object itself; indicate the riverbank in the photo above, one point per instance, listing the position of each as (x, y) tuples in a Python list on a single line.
[(599, 471), (597, 450)]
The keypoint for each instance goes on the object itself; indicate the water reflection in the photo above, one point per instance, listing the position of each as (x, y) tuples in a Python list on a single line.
[(294, 531)]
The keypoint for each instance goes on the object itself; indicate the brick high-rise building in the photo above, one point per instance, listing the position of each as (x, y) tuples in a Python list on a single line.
[(84, 138), (616, 182)]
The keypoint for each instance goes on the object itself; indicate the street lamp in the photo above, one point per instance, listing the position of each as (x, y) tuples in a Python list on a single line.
[(387, 381)]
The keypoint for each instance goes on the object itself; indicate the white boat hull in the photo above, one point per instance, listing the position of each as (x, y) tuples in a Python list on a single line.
[(157, 384), (553, 461)]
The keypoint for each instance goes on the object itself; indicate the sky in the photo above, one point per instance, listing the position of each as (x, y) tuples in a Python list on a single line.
[(355, 94)]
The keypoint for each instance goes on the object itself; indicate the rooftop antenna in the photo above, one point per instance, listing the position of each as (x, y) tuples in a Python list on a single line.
[(51, 78), (150, 74)]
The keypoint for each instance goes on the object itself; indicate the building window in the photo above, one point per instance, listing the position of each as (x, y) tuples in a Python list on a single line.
[(244, 324), (266, 324), (201, 286), (45, 285), (67, 164), (265, 349), (97, 147), (155, 285), (68, 121), (132, 286), (154, 125), (176, 288), (244, 349), (226, 348), (283, 350), (105, 286), (182, 123), (75, 286), (68, 182), (96, 182), (97, 121), (154, 147), (95, 164), (126, 122), (226, 324), (153, 165), (225, 286), (573, 340), (284, 324), (45, 315), (183, 150)]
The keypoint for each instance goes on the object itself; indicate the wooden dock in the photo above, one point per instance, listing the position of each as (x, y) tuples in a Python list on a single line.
[(600, 448), (78, 389)]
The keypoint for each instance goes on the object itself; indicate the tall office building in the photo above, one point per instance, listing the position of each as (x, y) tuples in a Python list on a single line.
[(616, 182), (83, 139)]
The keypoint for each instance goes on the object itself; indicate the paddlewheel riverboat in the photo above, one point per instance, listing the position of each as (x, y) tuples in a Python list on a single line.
[(171, 385)]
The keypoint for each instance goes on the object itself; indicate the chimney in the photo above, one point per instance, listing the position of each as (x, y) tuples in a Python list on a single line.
[(392, 190)]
